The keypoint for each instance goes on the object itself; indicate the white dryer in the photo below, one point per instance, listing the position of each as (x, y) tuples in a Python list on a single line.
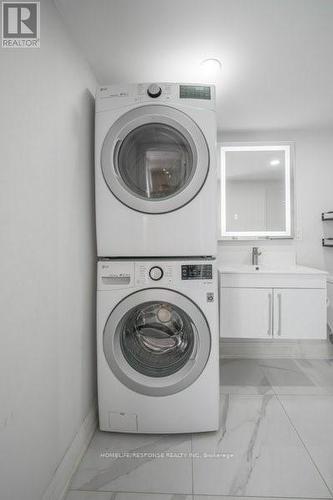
[(155, 175), (157, 346)]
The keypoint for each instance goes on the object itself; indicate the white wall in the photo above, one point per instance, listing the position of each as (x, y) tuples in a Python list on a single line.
[(245, 206), (255, 205), (314, 194), (47, 372)]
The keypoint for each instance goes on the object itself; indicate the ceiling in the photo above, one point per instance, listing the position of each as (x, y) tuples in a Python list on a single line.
[(277, 55), (254, 166)]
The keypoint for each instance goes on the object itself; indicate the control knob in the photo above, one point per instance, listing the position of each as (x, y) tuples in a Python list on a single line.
[(156, 273), (154, 90)]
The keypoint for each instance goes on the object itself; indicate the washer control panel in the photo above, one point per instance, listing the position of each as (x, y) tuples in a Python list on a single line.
[(120, 274), (156, 273), (113, 275), (197, 272), (171, 273)]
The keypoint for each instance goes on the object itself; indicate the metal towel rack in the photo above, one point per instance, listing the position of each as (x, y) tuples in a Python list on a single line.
[(327, 242), (327, 215)]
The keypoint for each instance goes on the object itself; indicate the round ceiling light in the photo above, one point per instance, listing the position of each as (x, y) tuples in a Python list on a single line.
[(275, 162), (211, 66)]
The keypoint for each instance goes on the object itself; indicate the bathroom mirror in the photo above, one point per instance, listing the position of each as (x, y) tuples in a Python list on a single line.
[(256, 191)]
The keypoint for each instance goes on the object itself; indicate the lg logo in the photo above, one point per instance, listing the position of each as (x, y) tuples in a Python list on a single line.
[(20, 25)]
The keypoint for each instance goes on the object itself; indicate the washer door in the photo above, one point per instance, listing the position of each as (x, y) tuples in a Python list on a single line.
[(155, 159), (157, 342)]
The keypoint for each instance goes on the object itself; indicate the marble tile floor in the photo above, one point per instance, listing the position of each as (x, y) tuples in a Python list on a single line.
[(275, 441)]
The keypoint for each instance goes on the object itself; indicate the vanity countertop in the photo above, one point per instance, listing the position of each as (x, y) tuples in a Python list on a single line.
[(262, 269)]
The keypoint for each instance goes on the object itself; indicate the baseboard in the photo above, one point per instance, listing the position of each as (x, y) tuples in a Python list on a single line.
[(294, 349), (60, 481)]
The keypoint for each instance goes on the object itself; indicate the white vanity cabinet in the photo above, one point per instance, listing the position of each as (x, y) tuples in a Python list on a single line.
[(246, 313), (299, 313), (278, 305)]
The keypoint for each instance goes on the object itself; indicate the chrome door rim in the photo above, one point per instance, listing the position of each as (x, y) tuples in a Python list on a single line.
[(152, 386), (147, 115)]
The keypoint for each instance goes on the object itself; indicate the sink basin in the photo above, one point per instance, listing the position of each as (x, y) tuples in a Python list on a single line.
[(262, 269)]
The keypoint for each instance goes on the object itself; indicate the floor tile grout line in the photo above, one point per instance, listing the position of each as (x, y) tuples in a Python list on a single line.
[(201, 495), (279, 393), (242, 497), (302, 394), (166, 493), (304, 445)]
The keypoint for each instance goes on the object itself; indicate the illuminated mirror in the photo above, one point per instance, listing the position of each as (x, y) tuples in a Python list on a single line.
[(256, 192)]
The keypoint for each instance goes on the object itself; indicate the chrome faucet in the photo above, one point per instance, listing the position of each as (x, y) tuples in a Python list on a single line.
[(255, 254)]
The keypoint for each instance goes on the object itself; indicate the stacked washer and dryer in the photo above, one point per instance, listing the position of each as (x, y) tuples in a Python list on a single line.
[(156, 222)]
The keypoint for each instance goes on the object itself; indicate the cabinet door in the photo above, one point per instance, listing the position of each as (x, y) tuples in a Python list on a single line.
[(246, 313), (299, 313)]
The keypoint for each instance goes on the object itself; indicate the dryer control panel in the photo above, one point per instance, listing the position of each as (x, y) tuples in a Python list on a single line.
[(174, 94)]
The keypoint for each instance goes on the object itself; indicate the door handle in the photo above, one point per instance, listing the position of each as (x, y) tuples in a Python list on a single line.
[(269, 331), (279, 298)]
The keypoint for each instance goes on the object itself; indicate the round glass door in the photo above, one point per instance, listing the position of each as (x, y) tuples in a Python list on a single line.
[(157, 338), (155, 159), (152, 346)]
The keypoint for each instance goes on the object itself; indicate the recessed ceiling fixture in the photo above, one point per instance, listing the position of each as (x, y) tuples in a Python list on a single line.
[(275, 162), (211, 67)]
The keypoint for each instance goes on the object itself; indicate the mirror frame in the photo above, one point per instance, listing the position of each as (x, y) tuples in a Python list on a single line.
[(288, 147)]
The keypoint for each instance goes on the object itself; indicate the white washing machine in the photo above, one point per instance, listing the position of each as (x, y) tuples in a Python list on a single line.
[(155, 159), (157, 346)]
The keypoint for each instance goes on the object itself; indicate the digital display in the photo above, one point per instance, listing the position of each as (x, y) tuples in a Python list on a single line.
[(197, 272), (194, 92)]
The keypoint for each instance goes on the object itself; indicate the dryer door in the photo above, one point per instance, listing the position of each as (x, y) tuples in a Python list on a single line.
[(157, 342), (155, 159)]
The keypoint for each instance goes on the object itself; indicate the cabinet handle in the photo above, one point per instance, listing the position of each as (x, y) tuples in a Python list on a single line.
[(269, 331), (279, 297)]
